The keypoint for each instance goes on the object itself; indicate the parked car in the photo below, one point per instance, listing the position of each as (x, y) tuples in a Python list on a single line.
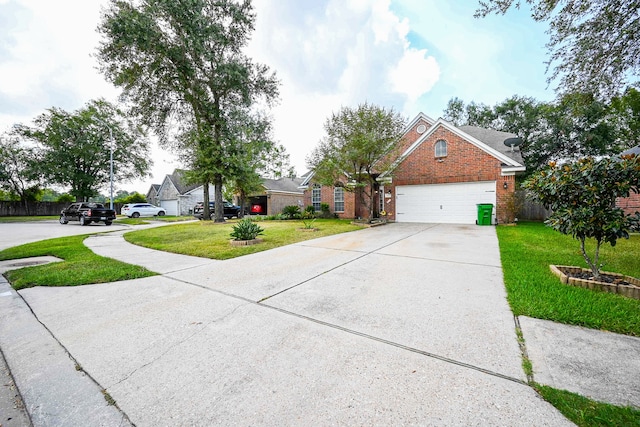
[(86, 213), (230, 210), (135, 210)]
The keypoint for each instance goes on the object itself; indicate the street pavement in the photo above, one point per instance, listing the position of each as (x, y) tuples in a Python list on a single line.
[(394, 325)]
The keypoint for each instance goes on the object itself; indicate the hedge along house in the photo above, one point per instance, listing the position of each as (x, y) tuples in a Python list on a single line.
[(441, 175)]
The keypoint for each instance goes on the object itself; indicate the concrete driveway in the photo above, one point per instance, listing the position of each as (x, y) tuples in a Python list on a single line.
[(405, 324), (18, 233)]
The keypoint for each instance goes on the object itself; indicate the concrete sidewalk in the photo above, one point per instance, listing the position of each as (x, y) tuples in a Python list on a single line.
[(402, 324)]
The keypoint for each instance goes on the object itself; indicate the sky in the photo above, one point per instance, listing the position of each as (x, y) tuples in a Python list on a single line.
[(409, 55)]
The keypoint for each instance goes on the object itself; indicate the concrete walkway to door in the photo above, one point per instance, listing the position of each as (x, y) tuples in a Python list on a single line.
[(395, 325)]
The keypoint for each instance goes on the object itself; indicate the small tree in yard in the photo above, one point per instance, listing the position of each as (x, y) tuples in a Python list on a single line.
[(359, 144), (582, 198)]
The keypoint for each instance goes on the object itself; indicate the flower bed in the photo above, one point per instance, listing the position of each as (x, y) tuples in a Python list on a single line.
[(609, 282)]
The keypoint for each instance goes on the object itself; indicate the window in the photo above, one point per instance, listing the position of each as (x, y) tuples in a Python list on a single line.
[(338, 199), (316, 197), (441, 148)]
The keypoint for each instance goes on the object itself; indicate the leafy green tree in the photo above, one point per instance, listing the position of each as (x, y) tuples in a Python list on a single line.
[(20, 172), (133, 197), (574, 126), (582, 196), (593, 44), (65, 198), (627, 114), (74, 148), (181, 65), (359, 145)]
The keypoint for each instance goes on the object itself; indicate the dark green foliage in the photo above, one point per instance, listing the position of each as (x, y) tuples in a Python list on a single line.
[(73, 148), (574, 126), (65, 198), (246, 229), (134, 197), (309, 209), (325, 212), (291, 212), (582, 198)]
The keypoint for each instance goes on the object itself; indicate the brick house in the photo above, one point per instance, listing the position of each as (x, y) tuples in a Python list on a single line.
[(630, 204), (441, 175)]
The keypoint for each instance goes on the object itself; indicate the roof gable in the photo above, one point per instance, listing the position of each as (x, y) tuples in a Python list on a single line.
[(505, 159)]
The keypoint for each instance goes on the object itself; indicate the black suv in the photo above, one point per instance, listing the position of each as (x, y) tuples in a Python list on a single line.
[(230, 210)]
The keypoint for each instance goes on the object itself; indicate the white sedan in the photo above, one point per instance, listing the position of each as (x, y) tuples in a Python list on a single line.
[(135, 210)]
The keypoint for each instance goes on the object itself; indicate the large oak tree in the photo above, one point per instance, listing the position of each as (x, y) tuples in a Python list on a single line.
[(181, 64)]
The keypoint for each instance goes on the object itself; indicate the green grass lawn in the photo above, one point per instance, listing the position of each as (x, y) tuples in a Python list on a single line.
[(7, 219), (528, 249), (211, 240), (80, 266), (585, 412)]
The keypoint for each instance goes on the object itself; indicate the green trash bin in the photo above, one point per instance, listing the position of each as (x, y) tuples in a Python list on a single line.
[(484, 214)]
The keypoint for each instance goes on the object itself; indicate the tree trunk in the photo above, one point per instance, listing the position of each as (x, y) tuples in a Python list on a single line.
[(206, 214), (218, 206), (593, 265)]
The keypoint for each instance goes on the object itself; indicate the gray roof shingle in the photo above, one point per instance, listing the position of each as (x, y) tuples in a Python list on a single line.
[(494, 139)]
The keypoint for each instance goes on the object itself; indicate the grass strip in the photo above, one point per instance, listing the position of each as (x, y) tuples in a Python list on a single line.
[(211, 240), (586, 412), (528, 249), (10, 219), (80, 266)]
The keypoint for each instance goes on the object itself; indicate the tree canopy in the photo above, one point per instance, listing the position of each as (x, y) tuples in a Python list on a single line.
[(181, 65), (19, 169), (73, 149), (574, 126), (358, 146), (594, 45)]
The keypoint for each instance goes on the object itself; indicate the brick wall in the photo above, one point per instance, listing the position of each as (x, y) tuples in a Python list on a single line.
[(630, 204), (326, 196)]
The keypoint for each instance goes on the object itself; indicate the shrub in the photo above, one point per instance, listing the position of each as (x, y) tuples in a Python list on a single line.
[(246, 229), (291, 212), (324, 208), (582, 196), (310, 209)]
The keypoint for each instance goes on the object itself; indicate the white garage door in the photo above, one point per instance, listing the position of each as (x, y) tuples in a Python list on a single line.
[(171, 206), (444, 203)]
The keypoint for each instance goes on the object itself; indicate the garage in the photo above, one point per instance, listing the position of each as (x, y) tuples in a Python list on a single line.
[(454, 203), (171, 206)]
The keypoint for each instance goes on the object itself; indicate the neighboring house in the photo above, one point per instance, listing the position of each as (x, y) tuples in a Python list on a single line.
[(152, 194), (275, 195), (630, 204), (443, 173), (178, 198)]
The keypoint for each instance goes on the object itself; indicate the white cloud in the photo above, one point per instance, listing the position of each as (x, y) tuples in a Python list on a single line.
[(412, 55)]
